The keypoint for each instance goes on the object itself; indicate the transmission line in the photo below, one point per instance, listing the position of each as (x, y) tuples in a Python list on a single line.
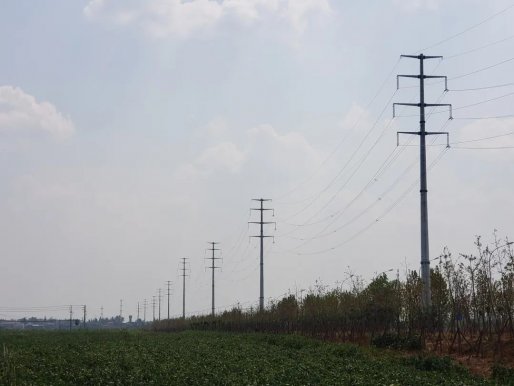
[(467, 29)]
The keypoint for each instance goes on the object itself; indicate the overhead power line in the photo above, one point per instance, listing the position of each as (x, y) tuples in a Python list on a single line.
[(490, 117), (482, 88), (334, 151), (467, 106), (479, 48), (482, 69), (378, 219), (484, 148), (474, 26)]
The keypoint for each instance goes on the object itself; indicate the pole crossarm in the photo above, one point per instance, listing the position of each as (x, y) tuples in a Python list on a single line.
[(449, 105), (421, 56), (423, 77), (426, 133), (403, 104)]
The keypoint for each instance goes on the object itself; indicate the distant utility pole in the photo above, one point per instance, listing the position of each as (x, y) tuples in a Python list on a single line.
[(71, 315), (168, 293), (153, 308), (184, 274), (137, 311), (121, 310), (213, 267), (84, 322), (262, 237), (144, 310), (425, 258), (160, 296)]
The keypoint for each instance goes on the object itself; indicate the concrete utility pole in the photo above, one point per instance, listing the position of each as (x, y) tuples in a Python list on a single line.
[(137, 320), (184, 274), (213, 267), (168, 293), (262, 237), (121, 310), (160, 296), (144, 310), (71, 315), (153, 308), (425, 258), (84, 319)]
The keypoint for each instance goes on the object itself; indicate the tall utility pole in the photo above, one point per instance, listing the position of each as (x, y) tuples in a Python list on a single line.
[(84, 319), (160, 296), (153, 308), (425, 258), (121, 310), (262, 237), (144, 310), (213, 267), (137, 312), (183, 270), (168, 293), (71, 315)]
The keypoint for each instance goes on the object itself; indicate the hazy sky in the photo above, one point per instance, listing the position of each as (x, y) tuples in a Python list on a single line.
[(133, 132)]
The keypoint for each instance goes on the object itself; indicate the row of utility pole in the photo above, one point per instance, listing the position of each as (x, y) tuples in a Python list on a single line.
[(425, 257)]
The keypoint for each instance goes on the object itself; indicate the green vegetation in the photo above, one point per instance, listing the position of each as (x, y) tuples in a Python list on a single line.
[(472, 309), (209, 358)]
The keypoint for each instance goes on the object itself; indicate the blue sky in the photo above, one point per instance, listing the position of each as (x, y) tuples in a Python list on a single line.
[(131, 133)]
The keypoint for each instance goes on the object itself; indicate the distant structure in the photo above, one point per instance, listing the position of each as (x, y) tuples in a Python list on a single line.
[(168, 293), (262, 237), (213, 268), (183, 270)]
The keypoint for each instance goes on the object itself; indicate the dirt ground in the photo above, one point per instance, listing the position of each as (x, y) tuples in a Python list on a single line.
[(481, 363)]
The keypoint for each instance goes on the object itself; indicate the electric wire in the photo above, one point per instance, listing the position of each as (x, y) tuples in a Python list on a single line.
[(332, 153), (479, 48), (341, 171), (490, 117), (482, 88), (323, 233), (383, 215), (474, 26)]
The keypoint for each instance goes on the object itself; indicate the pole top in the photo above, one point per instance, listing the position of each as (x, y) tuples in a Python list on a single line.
[(421, 56)]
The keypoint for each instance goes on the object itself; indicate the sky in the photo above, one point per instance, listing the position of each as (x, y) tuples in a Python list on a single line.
[(132, 133)]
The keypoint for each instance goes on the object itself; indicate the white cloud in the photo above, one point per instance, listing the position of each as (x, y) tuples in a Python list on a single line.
[(414, 5), (180, 19), (492, 136), (222, 157), (261, 148), (22, 112)]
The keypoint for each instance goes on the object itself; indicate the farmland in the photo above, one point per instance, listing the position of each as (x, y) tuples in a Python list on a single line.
[(209, 358)]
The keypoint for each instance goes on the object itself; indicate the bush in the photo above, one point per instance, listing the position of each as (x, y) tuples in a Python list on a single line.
[(503, 375), (397, 342), (431, 363)]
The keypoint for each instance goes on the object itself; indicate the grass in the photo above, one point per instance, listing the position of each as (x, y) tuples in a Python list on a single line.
[(206, 358)]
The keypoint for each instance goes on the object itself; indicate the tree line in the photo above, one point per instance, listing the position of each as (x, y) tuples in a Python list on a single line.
[(472, 308)]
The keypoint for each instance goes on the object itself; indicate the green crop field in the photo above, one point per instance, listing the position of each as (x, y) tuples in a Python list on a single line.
[(204, 358)]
